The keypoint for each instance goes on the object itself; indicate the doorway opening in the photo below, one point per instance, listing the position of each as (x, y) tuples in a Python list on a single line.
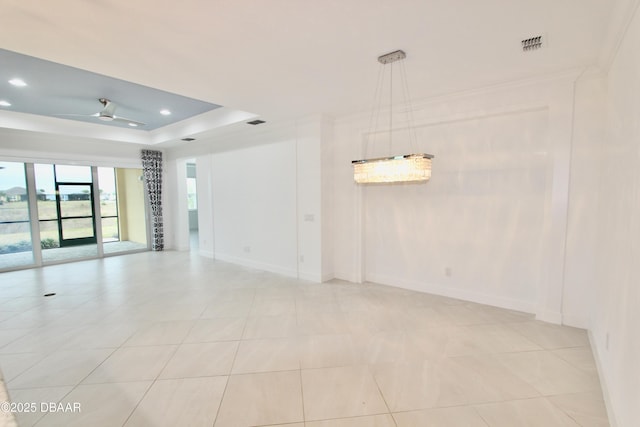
[(192, 206)]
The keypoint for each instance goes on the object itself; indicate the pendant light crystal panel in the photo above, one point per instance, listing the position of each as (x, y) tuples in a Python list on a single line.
[(404, 168), (408, 168)]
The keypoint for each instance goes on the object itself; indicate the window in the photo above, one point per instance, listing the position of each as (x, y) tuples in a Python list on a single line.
[(15, 226), (108, 204), (65, 211), (64, 206), (192, 197)]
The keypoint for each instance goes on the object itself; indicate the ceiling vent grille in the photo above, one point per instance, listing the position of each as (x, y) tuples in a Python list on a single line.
[(532, 43), (256, 122)]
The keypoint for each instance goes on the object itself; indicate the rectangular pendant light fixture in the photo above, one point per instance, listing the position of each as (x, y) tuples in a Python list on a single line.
[(406, 168), (403, 168)]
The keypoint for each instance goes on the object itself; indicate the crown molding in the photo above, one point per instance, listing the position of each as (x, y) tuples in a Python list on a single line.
[(621, 18)]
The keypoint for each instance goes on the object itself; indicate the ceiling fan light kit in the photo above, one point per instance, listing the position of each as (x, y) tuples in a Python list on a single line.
[(107, 114)]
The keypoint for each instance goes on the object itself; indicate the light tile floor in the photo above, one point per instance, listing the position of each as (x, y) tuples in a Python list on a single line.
[(155, 339)]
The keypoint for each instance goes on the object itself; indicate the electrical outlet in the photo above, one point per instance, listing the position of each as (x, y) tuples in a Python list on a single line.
[(247, 249), (447, 271), (606, 343), (301, 258)]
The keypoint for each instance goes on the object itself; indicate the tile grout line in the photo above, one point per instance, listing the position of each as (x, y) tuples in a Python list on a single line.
[(552, 403), (160, 371), (381, 394), (148, 388), (297, 341), (224, 392), (73, 388), (122, 346)]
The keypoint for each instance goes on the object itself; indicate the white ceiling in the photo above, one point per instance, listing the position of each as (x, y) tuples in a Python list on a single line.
[(288, 58)]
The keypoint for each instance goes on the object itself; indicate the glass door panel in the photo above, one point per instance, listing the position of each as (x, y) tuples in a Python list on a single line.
[(109, 208), (15, 225), (110, 230), (76, 219), (47, 208), (71, 173), (77, 228), (75, 200)]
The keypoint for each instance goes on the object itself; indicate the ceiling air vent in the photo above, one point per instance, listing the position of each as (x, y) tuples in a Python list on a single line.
[(256, 122), (532, 43), (188, 139)]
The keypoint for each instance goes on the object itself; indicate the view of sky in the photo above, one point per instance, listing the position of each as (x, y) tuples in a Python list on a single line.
[(13, 175)]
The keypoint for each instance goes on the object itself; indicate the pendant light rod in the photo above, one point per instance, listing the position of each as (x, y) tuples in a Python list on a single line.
[(391, 106), (390, 58)]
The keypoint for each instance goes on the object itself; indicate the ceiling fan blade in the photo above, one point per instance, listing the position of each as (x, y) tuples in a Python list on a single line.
[(107, 114), (125, 120), (78, 115)]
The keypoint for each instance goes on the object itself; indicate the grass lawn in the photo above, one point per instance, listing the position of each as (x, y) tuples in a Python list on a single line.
[(16, 234)]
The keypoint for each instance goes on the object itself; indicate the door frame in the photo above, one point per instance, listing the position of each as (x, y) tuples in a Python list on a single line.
[(80, 240)]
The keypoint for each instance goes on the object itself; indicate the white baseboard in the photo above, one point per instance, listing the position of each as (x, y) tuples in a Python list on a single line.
[(206, 254), (311, 277), (327, 276), (549, 317), (603, 380), (463, 294), (256, 264), (575, 321)]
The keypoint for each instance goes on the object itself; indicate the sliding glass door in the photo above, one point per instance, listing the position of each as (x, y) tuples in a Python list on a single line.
[(66, 212), (53, 213), (16, 248)]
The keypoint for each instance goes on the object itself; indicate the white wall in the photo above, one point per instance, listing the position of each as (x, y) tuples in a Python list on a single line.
[(308, 199), (478, 224), (254, 206), (263, 203), (582, 226), (491, 224), (616, 318), (328, 194), (174, 208), (17, 145)]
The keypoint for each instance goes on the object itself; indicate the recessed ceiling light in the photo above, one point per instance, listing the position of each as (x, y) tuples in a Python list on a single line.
[(4, 103), (18, 82), (188, 139), (165, 112), (133, 125), (256, 122)]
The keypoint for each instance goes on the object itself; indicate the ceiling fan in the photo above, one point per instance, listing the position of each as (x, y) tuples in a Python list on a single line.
[(107, 114)]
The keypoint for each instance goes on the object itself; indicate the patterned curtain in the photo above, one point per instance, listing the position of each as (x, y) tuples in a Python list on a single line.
[(152, 170)]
